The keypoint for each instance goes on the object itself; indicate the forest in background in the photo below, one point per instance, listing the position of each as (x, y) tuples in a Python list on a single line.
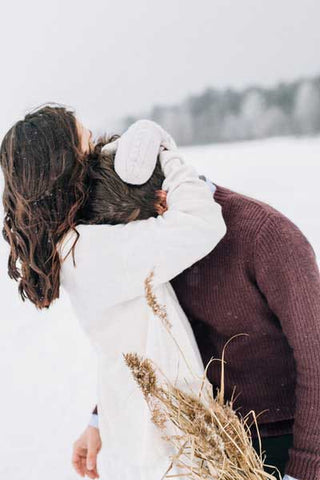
[(227, 115)]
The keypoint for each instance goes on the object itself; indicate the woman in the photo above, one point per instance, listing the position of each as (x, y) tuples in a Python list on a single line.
[(71, 220)]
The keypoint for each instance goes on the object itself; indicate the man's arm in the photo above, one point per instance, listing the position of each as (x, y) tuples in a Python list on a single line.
[(288, 276)]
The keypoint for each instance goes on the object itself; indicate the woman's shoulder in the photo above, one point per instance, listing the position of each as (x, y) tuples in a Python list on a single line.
[(98, 269), (82, 236), (94, 259)]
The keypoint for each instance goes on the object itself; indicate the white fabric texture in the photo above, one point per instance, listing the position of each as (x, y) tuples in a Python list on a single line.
[(137, 152), (106, 289)]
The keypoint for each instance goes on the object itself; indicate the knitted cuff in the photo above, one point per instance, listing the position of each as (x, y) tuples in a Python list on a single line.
[(303, 465)]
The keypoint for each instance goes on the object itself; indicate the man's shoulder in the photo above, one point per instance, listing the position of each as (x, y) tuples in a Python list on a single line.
[(226, 196), (258, 224), (244, 211)]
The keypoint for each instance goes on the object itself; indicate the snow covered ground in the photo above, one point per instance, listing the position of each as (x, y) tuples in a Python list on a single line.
[(47, 367)]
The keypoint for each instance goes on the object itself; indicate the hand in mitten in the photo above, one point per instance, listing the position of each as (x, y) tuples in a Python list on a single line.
[(137, 150)]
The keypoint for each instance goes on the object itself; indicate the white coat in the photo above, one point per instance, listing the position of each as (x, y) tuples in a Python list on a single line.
[(106, 289)]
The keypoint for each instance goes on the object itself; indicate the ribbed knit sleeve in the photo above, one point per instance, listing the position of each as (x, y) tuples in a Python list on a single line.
[(288, 276)]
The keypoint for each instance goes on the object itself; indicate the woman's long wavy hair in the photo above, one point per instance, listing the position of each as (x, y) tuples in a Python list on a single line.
[(50, 186)]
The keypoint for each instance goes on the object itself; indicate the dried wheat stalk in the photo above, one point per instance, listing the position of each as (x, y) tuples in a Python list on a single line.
[(211, 441)]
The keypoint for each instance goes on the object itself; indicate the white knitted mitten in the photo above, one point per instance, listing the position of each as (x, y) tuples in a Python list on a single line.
[(137, 150)]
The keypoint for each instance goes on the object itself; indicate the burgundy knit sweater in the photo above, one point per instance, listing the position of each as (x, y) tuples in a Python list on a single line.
[(262, 279)]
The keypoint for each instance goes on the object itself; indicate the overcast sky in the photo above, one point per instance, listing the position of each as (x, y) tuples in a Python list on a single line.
[(108, 59)]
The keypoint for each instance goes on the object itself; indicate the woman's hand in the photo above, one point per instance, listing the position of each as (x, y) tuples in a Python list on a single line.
[(161, 202), (136, 151), (85, 451)]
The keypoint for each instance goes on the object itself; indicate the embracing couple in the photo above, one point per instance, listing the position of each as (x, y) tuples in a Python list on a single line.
[(98, 218)]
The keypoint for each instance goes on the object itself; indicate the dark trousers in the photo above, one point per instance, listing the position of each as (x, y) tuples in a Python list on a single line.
[(276, 451)]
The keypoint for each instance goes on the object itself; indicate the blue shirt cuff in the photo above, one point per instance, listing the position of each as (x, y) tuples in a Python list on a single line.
[(94, 420)]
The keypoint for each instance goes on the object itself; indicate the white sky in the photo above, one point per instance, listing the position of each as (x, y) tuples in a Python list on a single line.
[(108, 59)]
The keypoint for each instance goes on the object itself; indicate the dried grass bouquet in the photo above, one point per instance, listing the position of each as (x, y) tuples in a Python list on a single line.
[(211, 441)]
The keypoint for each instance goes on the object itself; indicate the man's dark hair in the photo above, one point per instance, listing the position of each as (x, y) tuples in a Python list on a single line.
[(113, 201)]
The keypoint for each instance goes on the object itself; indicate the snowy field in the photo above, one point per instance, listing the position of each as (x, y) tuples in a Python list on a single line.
[(47, 366)]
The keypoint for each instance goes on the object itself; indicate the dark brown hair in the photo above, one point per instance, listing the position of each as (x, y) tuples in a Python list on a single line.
[(113, 201), (51, 186)]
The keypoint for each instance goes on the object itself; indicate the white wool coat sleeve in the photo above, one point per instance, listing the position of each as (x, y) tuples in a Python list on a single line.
[(126, 254)]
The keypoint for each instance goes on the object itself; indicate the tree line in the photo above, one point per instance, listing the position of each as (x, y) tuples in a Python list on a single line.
[(216, 115)]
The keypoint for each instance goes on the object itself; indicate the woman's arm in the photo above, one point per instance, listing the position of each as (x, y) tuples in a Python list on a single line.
[(126, 254)]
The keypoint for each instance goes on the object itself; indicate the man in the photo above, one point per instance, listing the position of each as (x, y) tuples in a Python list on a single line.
[(262, 279)]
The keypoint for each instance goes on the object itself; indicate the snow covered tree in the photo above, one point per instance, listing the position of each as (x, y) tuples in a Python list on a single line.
[(307, 108)]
